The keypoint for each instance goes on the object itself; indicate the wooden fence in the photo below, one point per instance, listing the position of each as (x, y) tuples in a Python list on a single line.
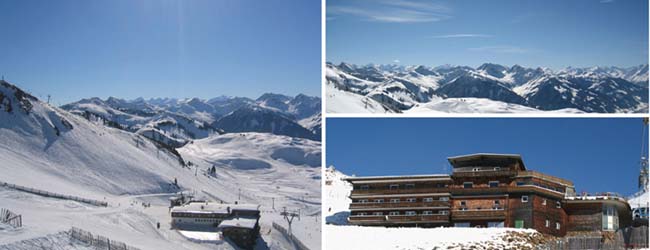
[(53, 195), (296, 242), (8, 217), (628, 238), (98, 241)]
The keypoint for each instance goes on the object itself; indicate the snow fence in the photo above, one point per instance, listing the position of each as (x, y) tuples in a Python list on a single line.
[(296, 242), (98, 241), (53, 195), (10, 218)]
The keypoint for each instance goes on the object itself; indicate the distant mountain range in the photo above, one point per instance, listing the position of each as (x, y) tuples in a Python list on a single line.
[(395, 88), (175, 122)]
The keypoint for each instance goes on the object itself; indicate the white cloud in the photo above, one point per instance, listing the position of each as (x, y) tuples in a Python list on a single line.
[(464, 36), (606, 1), (500, 49), (396, 11), (396, 61)]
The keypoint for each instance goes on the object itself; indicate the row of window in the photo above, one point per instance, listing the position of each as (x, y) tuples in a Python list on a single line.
[(407, 213), (492, 184), (524, 199), (199, 220), (398, 200), (557, 224)]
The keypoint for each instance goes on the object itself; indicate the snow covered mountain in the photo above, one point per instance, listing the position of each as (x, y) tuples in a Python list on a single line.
[(174, 122), (399, 89), (51, 149), (254, 118)]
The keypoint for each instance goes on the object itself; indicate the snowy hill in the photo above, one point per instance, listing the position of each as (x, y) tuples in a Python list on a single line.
[(51, 149), (399, 89)]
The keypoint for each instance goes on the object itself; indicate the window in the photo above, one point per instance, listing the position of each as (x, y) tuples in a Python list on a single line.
[(393, 213), (519, 223), (379, 201), (410, 213), (364, 187), (544, 203), (427, 213), (558, 204), (497, 168), (411, 200), (497, 204), (443, 212), (410, 186), (524, 198), (377, 213), (363, 201), (548, 223), (428, 199), (362, 214), (461, 224), (494, 184), (476, 169), (468, 184), (463, 203), (393, 186), (394, 200), (521, 183), (557, 225), (444, 198)]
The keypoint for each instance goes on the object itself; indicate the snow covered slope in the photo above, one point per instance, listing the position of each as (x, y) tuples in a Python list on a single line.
[(479, 105), (51, 149), (336, 193), (41, 142)]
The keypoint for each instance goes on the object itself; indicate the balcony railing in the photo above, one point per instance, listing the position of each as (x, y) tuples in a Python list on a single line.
[(433, 218), (485, 173), (418, 218), (399, 191), (478, 214), (402, 204), (545, 176)]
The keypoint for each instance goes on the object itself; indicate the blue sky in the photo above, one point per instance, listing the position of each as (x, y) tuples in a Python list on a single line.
[(546, 33), (597, 154), (74, 49)]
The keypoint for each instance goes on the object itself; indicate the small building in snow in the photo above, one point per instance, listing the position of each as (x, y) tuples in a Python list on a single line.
[(238, 222)]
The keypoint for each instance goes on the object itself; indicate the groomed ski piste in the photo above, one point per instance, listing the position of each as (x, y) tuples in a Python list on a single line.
[(49, 149), (336, 203)]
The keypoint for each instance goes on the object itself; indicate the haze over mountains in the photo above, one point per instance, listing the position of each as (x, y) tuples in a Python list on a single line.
[(489, 88), (174, 122)]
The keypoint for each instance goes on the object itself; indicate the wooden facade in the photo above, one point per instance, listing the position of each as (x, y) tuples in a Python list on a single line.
[(484, 190)]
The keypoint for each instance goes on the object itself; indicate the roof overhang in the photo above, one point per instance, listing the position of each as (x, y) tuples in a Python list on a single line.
[(472, 159)]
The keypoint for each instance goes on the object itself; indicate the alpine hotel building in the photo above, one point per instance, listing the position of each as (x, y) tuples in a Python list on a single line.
[(484, 190)]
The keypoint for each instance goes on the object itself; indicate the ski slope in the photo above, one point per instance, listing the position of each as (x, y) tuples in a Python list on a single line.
[(47, 148)]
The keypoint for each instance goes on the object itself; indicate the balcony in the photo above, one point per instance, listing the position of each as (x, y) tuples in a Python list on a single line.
[(434, 218), (478, 214), (544, 177), (386, 191), (403, 204), (398, 219), (485, 173), (480, 190)]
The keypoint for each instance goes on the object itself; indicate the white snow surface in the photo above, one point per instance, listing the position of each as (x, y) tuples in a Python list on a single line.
[(479, 105), (339, 101), (126, 170)]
